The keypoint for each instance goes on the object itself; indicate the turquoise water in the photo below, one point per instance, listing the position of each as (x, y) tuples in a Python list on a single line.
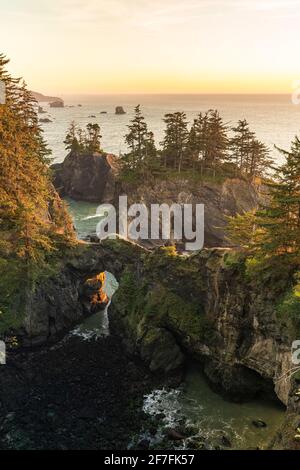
[(84, 215)]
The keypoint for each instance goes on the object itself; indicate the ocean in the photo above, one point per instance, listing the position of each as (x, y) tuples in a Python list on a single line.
[(274, 118)]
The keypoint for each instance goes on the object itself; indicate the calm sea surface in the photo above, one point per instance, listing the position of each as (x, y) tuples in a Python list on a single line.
[(273, 117)]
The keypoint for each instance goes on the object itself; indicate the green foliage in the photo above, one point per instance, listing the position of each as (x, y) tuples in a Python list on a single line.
[(28, 235), (203, 152), (289, 307), (250, 156), (142, 159), (235, 260), (83, 141), (273, 231)]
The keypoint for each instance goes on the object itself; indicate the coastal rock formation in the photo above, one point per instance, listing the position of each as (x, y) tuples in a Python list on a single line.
[(170, 308), (45, 120), (87, 177), (232, 196), (93, 178), (57, 104), (120, 110), (204, 305)]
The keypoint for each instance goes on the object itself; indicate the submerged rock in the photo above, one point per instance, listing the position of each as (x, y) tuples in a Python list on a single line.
[(259, 423), (225, 441), (174, 435)]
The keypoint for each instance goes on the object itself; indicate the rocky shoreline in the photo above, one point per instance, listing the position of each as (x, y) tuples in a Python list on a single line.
[(73, 395)]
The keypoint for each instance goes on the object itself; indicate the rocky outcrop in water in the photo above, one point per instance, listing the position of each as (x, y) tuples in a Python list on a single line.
[(86, 177), (120, 110), (57, 104)]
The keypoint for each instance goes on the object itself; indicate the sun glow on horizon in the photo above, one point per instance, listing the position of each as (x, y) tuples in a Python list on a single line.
[(152, 46)]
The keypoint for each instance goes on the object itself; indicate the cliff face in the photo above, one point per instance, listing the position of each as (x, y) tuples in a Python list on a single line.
[(214, 314), (234, 195), (93, 178), (86, 177), (170, 308)]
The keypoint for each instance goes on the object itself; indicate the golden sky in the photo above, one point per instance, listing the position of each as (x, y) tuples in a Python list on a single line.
[(153, 46)]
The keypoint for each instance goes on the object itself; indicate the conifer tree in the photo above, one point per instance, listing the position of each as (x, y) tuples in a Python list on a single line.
[(275, 228), (27, 232), (281, 218), (175, 140), (240, 145), (216, 141), (142, 156), (72, 139), (93, 137)]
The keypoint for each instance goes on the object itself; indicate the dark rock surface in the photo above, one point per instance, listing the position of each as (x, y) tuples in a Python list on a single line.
[(120, 110), (88, 177), (234, 195), (75, 395), (45, 120), (57, 104)]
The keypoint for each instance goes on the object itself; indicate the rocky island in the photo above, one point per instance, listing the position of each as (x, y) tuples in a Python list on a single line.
[(120, 110)]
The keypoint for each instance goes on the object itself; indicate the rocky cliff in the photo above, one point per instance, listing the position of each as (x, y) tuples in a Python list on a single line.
[(86, 177), (220, 199), (94, 178), (171, 308), (214, 313)]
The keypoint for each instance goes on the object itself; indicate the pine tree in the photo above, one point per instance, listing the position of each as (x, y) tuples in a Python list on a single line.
[(142, 156), (281, 218), (275, 228), (216, 142), (240, 146), (28, 234), (175, 140), (73, 141), (259, 160), (94, 136)]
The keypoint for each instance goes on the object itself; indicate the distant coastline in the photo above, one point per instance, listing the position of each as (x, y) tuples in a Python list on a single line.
[(44, 98)]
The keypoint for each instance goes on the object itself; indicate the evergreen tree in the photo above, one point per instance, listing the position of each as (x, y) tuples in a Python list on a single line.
[(259, 161), (73, 141), (175, 140), (142, 156), (28, 234), (216, 141), (281, 218), (240, 145), (94, 137), (275, 228)]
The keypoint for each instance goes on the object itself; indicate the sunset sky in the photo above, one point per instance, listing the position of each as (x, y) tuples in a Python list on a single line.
[(153, 46)]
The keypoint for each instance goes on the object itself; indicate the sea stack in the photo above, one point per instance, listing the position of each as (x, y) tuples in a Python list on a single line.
[(57, 104), (120, 110)]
